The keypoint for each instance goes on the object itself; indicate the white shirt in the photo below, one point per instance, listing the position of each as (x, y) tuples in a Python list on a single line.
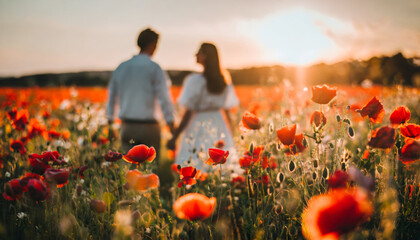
[(195, 96), (136, 85)]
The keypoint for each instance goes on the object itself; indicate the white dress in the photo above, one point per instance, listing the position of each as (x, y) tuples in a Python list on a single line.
[(207, 124)]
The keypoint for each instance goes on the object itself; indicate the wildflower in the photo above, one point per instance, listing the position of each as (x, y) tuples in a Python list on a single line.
[(340, 211), (13, 190), (410, 152), (81, 171), (268, 162), (20, 120), (400, 115), (297, 146), (383, 138), (194, 206), (188, 176), (175, 168), (318, 118), (245, 161), (140, 182), (286, 134), (58, 176), (239, 180), (265, 180), (11, 115), (411, 131), (17, 145), (374, 110), (50, 156), (217, 156), (35, 128), (323, 94), (38, 190), (98, 206), (338, 179), (52, 134), (220, 144), (250, 122), (66, 135), (112, 156), (139, 154)]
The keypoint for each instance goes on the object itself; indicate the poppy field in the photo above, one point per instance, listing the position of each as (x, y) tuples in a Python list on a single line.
[(321, 162)]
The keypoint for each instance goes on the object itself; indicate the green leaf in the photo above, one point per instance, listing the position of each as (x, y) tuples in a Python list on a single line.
[(108, 198)]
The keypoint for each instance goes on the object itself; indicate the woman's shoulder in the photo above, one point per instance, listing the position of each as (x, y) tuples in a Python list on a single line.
[(194, 79)]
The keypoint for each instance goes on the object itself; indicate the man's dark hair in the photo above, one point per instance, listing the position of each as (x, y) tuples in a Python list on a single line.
[(146, 37)]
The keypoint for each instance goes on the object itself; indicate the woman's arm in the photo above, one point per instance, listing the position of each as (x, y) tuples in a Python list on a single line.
[(184, 121), (229, 121)]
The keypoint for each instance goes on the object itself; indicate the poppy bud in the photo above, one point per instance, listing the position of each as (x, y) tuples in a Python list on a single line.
[(98, 206)]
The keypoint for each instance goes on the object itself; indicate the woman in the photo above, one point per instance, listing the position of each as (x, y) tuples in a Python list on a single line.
[(207, 97)]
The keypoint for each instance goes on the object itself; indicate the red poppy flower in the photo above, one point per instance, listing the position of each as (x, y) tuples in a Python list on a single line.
[(52, 134), (11, 115), (103, 140), (58, 176), (139, 154), (217, 156), (21, 119), (35, 128), (38, 190), (330, 215), (400, 115), (188, 176), (45, 114), (81, 171), (374, 110), (113, 156), (365, 154), (66, 134), (323, 94), (17, 145), (194, 206), (411, 131), (220, 144), (175, 168), (245, 161), (410, 152), (140, 182), (37, 164), (51, 156), (98, 206), (266, 162), (297, 146), (249, 122), (239, 180), (13, 190), (317, 118), (286, 134), (383, 138), (265, 180), (338, 180)]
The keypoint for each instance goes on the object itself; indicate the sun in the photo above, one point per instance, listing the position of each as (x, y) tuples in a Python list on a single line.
[(292, 37)]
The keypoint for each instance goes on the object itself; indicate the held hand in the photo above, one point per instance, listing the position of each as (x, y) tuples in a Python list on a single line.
[(170, 145)]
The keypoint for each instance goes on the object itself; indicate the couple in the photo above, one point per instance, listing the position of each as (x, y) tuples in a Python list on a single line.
[(139, 83)]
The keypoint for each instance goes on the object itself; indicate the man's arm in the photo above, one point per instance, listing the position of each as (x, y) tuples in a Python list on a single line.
[(162, 86), (112, 98)]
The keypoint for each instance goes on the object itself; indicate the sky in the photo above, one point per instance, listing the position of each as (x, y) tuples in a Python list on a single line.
[(82, 35)]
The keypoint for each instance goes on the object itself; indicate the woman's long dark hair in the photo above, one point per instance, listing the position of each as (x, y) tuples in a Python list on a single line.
[(216, 82)]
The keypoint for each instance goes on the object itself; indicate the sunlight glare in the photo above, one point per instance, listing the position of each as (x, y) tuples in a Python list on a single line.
[(296, 37)]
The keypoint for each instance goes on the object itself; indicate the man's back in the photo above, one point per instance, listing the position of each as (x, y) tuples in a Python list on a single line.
[(136, 84)]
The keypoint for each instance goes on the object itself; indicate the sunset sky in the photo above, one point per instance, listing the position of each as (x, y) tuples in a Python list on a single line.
[(64, 36)]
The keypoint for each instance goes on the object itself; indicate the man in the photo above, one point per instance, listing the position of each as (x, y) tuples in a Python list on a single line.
[(136, 86)]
